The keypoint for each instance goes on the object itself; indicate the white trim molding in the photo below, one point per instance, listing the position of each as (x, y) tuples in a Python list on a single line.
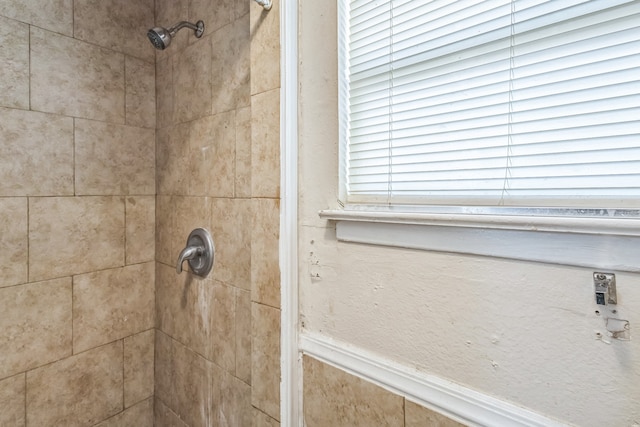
[(290, 358), (450, 399), (561, 224)]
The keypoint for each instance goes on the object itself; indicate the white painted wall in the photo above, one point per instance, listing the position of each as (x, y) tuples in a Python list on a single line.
[(520, 331)]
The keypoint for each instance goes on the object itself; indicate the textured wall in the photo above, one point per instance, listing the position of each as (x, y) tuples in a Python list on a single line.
[(218, 168), (77, 186), (523, 332)]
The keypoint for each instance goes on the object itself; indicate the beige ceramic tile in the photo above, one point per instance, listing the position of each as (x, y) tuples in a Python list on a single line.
[(164, 230), (211, 156), (231, 231), (140, 93), (186, 382), (231, 66), (172, 159), (112, 304), (140, 415), (12, 401), (77, 391), (214, 14), (417, 416), (164, 90), (13, 251), (35, 326), (265, 144), (138, 367), (243, 153), (120, 25), (265, 268), (334, 398), (74, 235), (243, 335), (235, 402), (223, 329), (113, 159), (165, 417), (184, 307), (14, 56), (66, 68), (36, 154), (260, 419), (169, 13), (136, 19), (265, 47), (140, 237), (167, 161), (52, 15), (265, 359), (240, 8), (192, 81)]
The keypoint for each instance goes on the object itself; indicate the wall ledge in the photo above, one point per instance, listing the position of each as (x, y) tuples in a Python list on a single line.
[(600, 225), (450, 399), (556, 243)]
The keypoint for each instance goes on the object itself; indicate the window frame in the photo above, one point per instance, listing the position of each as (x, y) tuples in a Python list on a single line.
[(603, 238)]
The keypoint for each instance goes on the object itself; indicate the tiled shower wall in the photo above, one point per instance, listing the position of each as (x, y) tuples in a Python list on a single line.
[(77, 192), (217, 339)]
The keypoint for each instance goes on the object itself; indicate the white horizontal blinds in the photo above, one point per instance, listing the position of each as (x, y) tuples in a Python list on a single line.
[(494, 102), (369, 98)]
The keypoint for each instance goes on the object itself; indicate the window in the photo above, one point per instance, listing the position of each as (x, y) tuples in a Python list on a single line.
[(491, 106), (507, 128)]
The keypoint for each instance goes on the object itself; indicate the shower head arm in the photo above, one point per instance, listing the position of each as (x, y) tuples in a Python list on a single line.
[(198, 28)]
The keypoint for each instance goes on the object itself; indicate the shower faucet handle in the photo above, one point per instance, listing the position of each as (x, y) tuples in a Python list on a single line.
[(199, 253), (188, 253)]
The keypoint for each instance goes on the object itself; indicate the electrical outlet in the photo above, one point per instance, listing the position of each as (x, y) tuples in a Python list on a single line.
[(606, 294), (605, 287)]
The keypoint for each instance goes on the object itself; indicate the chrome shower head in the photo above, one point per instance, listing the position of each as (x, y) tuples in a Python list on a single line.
[(160, 37)]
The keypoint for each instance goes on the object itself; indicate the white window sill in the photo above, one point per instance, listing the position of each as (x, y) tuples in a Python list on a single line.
[(596, 242)]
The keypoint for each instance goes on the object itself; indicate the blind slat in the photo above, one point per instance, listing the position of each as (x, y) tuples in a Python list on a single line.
[(491, 101)]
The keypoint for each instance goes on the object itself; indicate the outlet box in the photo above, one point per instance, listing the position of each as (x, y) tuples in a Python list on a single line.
[(605, 288)]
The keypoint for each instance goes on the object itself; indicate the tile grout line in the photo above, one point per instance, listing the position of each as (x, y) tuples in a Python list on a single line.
[(25, 398), (123, 376), (124, 232), (404, 411), (29, 46), (73, 156), (28, 201), (124, 87), (73, 286)]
